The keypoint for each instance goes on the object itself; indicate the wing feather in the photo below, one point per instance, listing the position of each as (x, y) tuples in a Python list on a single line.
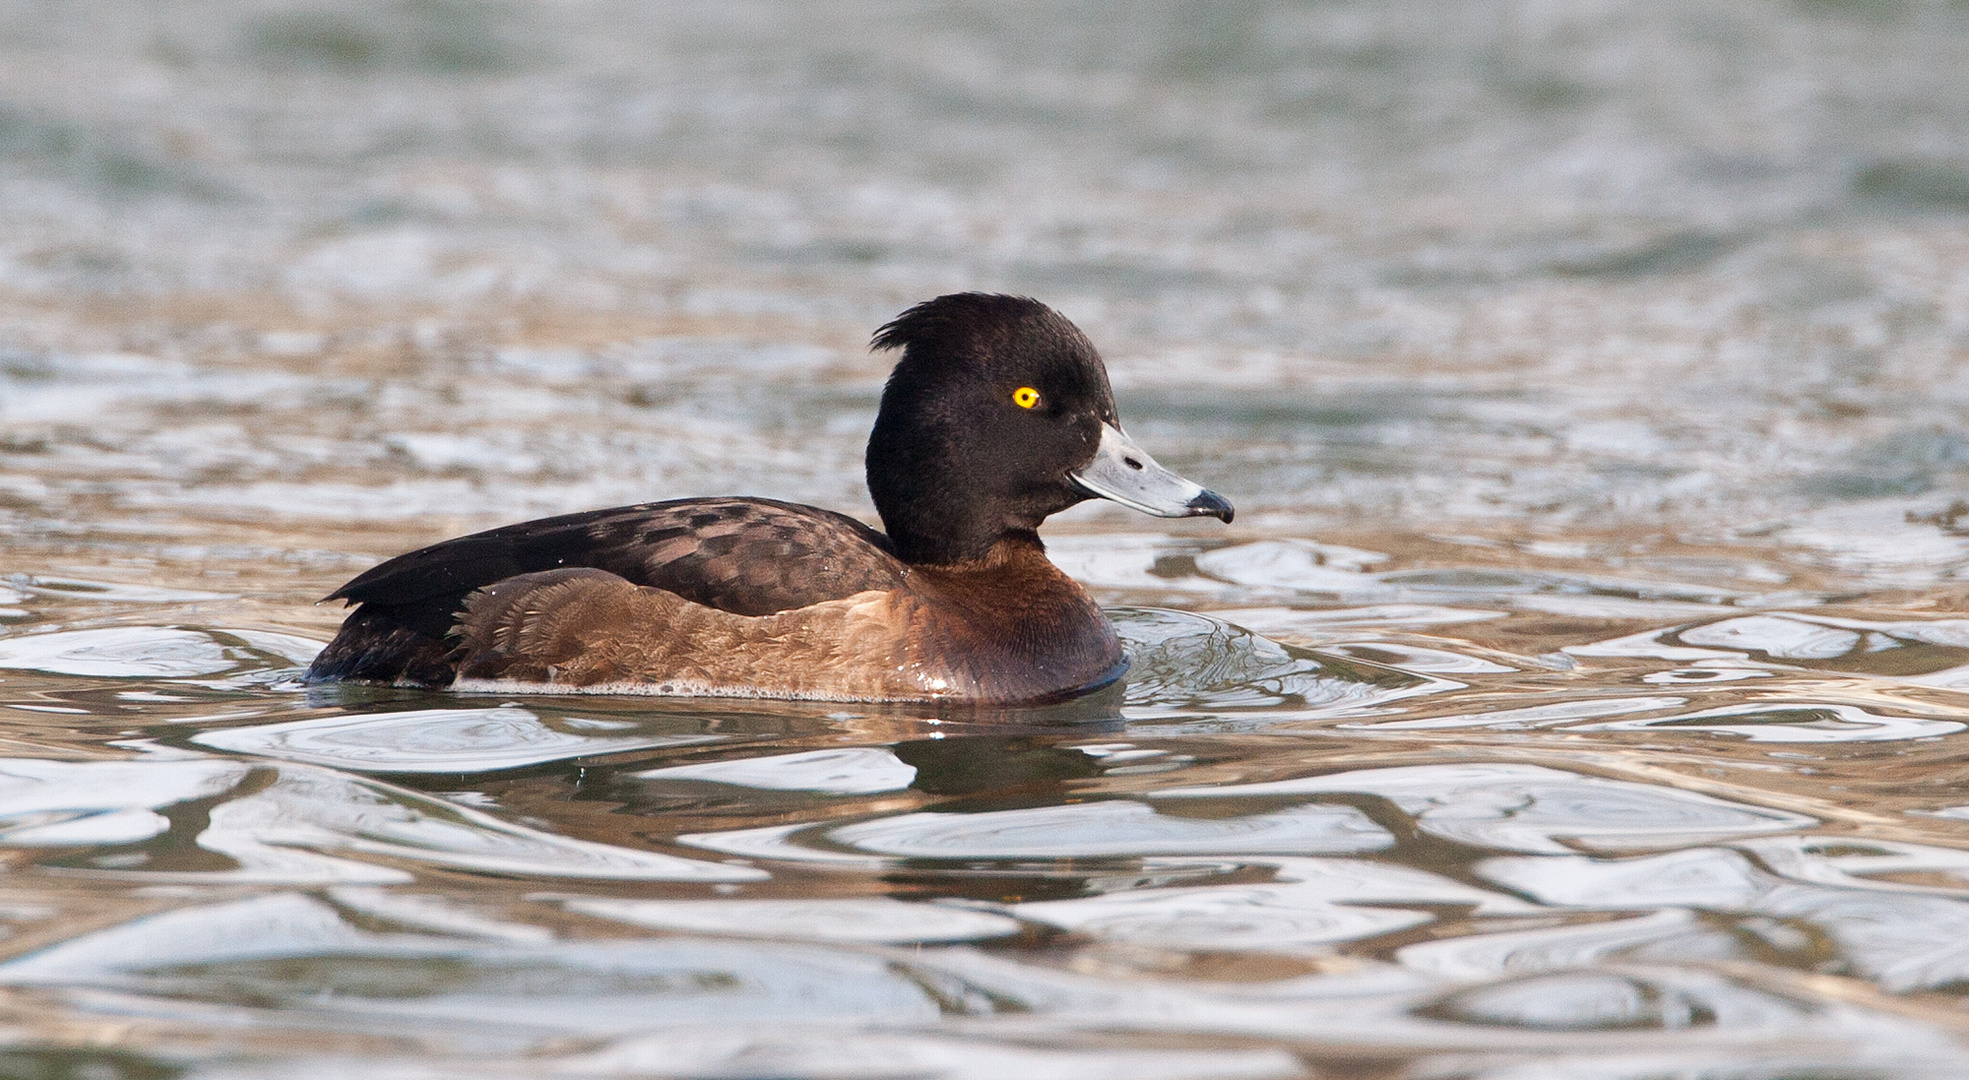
[(743, 556)]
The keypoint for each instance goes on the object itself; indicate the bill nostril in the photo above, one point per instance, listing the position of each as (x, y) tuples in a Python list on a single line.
[(1131, 463)]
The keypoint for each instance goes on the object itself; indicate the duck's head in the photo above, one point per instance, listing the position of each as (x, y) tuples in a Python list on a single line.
[(998, 415)]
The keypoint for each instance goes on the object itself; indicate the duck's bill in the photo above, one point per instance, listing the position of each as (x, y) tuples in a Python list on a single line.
[(1123, 472)]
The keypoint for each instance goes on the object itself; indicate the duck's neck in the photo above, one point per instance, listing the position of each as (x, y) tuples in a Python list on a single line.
[(964, 535), (1014, 595), (1014, 627), (1009, 554)]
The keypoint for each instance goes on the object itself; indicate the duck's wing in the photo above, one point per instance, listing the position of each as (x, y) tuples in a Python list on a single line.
[(743, 556)]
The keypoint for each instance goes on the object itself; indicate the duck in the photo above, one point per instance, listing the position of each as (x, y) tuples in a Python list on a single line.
[(998, 415)]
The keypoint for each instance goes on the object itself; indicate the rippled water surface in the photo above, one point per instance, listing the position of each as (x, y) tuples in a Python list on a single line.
[(1582, 692)]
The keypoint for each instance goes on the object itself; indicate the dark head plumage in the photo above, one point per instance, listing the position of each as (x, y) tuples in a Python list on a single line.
[(955, 462)]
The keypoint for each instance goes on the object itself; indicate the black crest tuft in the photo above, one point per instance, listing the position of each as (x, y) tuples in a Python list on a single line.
[(976, 323)]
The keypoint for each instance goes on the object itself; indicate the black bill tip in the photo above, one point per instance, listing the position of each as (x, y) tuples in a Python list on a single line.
[(1211, 504)]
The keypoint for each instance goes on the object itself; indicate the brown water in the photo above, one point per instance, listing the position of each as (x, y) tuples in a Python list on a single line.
[(1580, 693)]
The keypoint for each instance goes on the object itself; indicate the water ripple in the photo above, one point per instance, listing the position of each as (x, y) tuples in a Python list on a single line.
[(1528, 717), (1653, 1001), (789, 1051), (1482, 957), (1112, 828), (876, 919), (1805, 898), (1927, 653), (1791, 722), (1187, 664), (434, 740), (65, 588), (1714, 878), (304, 955), (292, 824), (134, 652), (1532, 808), (57, 803), (1106, 829), (850, 771), (1315, 902), (1789, 639)]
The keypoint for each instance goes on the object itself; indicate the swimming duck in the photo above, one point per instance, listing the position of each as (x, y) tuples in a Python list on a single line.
[(998, 415)]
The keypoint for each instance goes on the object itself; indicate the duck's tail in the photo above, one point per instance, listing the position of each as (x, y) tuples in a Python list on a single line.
[(377, 645)]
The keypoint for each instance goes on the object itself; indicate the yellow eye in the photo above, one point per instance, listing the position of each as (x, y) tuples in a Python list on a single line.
[(1025, 397)]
